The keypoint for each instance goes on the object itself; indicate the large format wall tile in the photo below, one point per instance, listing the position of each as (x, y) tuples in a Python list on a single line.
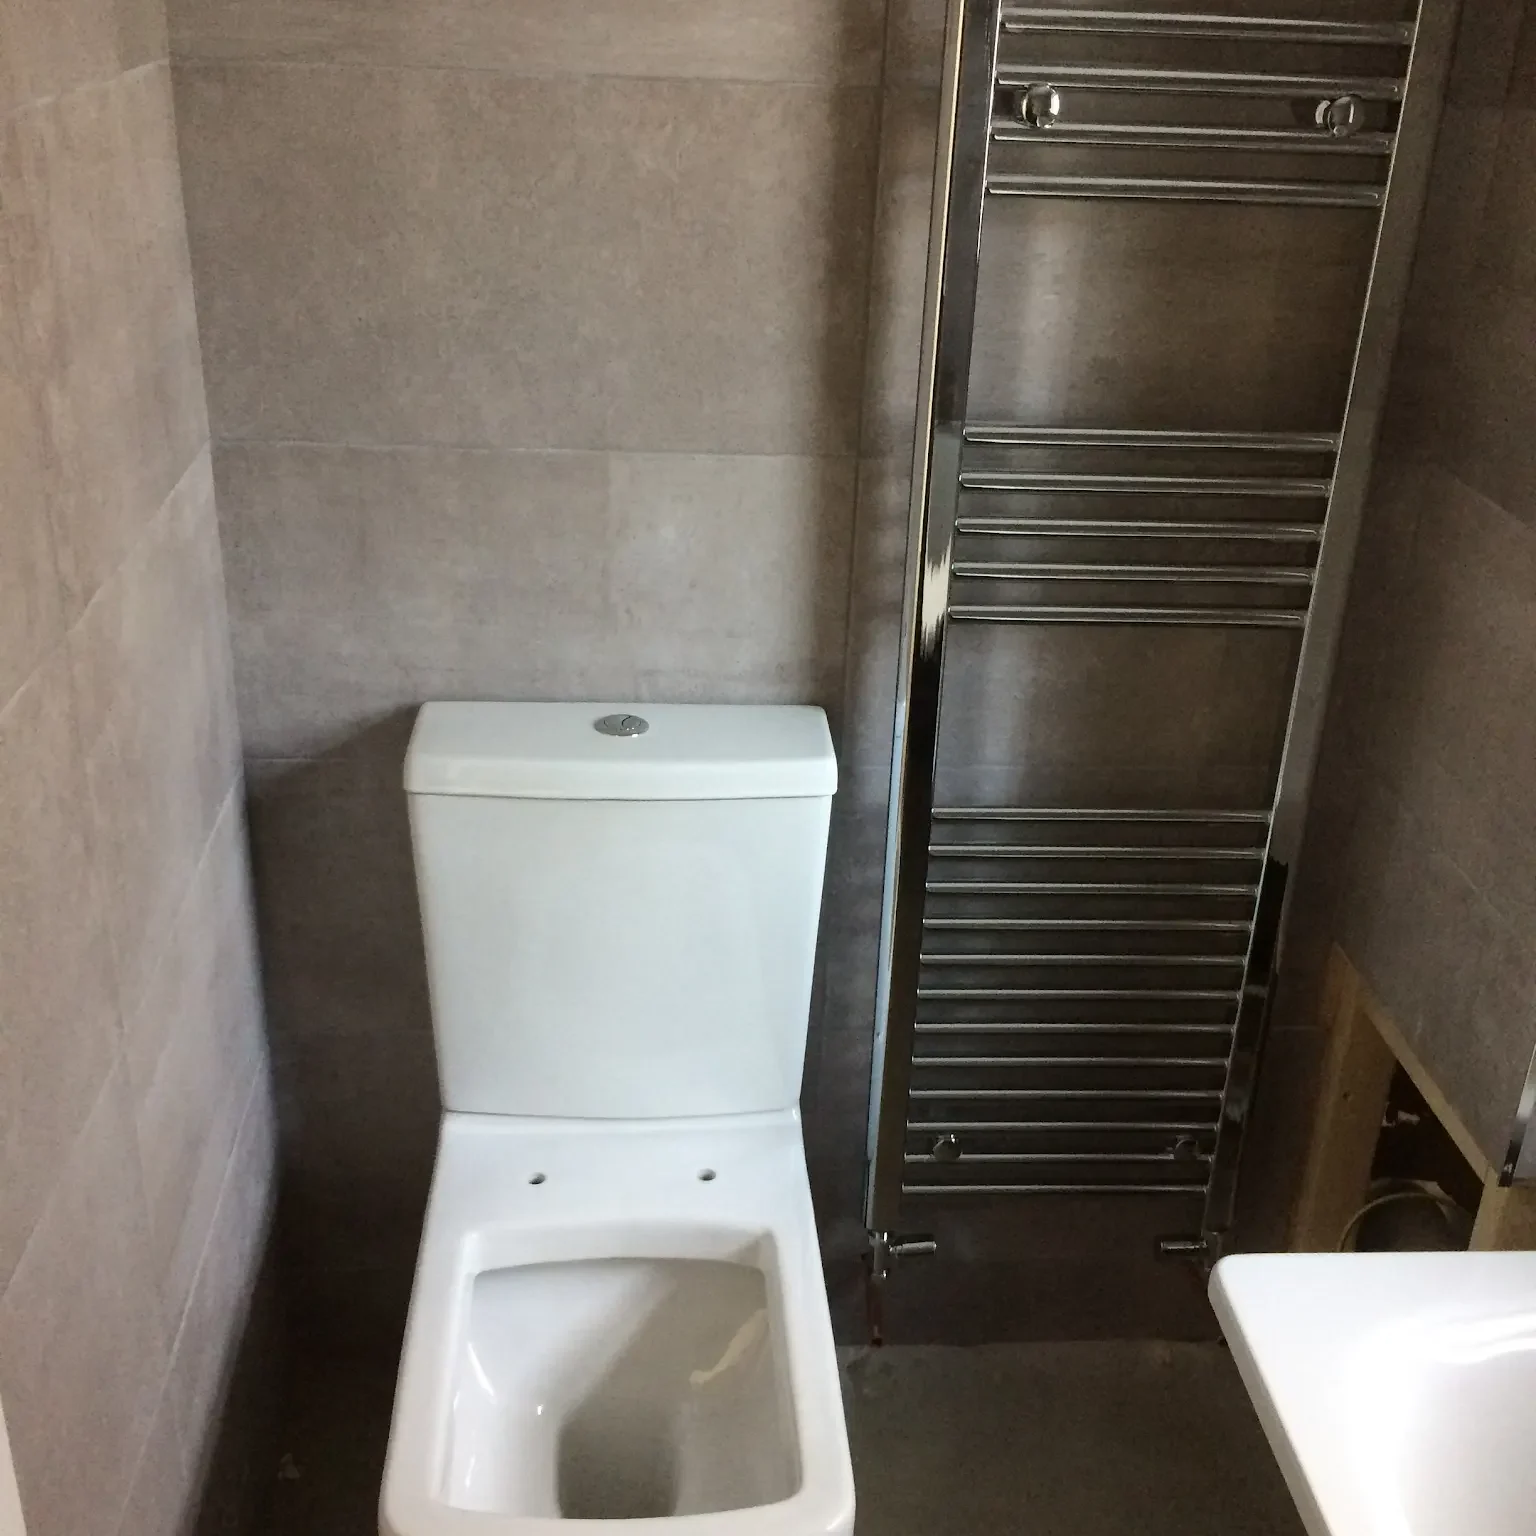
[(877, 591), (915, 43), (341, 945), (48, 47), (161, 1484), (129, 1010), (1490, 398), (82, 1349), (729, 576), (783, 40), (364, 582), (898, 272), (360, 1123), (194, 1051), (222, 1292), (103, 289), (1459, 979), (152, 672), (1144, 314), (56, 983), (30, 603), (1041, 715), (408, 256), (1458, 730)]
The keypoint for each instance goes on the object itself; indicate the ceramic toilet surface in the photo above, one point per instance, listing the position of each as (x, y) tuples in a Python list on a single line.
[(629, 1388), (619, 1326)]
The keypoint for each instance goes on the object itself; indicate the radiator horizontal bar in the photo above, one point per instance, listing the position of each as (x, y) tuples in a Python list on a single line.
[(1008, 434), (1077, 994), (1172, 854), (1182, 1127), (1197, 82), (1081, 813), (1089, 924), (1105, 1095), (1040, 482), (1053, 1027), (927, 1159), (1053, 1189), (1138, 528), (1086, 888), (1273, 29), (1226, 962), (1166, 575), (1190, 189), (1288, 141), (1122, 1062), (1185, 618)]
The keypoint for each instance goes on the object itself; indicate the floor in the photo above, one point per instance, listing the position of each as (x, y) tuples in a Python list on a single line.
[(1093, 1439)]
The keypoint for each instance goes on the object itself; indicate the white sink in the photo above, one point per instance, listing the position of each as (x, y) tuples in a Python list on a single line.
[(1398, 1390)]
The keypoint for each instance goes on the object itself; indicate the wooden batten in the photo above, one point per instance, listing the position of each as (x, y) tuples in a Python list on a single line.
[(1365, 1048)]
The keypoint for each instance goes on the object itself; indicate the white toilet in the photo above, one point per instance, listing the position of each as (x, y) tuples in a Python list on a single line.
[(618, 1311)]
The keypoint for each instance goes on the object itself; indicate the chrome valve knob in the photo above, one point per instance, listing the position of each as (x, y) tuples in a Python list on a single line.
[(1039, 105), (1341, 116)]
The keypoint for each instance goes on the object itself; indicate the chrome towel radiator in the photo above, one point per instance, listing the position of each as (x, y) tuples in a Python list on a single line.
[(1073, 996)]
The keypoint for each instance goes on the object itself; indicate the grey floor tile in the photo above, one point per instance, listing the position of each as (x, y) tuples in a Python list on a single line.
[(1093, 1439), (1081, 1439), (331, 1448)]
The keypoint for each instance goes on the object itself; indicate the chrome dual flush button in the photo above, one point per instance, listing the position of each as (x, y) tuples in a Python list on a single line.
[(622, 725)]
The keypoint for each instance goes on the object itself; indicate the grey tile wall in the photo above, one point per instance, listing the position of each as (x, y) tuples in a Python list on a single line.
[(535, 342), (99, 253), (362, 574), (1145, 314), (1420, 856), (49, 48), (689, 282), (915, 49), (62, 1019), (133, 1087), (812, 41)]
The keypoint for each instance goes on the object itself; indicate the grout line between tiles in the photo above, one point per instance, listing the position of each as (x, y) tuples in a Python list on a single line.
[(190, 62)]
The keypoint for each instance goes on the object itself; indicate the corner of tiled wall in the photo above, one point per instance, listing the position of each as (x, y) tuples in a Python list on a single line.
[(135, 1115)]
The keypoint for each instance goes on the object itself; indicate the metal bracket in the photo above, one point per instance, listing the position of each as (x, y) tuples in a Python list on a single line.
[(885, 1248), (1202, 1250)]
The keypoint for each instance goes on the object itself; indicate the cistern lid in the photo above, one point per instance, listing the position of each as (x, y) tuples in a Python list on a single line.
[(684, 751)]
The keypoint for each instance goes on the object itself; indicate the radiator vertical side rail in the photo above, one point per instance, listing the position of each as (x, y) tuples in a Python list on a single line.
[(949, 309)]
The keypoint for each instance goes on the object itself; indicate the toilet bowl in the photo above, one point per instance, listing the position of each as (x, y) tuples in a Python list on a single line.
[(619, 1323), (618, 1312)]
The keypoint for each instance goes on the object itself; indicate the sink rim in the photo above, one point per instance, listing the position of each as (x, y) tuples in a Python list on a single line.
[(1303, 1329)]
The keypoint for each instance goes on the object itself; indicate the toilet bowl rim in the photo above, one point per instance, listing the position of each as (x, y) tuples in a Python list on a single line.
[(766, 1220)]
